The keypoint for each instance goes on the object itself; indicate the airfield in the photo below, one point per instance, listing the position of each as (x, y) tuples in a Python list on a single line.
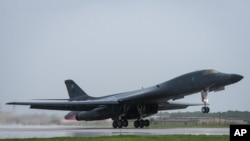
[(92, 131)]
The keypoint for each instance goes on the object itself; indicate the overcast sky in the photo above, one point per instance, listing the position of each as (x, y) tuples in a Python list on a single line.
[(114, 46)]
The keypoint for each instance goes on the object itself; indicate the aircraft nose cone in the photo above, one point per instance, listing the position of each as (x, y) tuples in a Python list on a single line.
[(236, 77)]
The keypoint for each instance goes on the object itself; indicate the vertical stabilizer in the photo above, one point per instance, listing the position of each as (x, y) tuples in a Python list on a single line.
[(75, 91)]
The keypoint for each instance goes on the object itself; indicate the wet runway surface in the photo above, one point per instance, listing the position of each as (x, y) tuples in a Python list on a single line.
[(77, 131)]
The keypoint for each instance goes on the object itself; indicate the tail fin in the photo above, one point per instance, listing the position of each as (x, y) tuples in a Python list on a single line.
[(75, 91)]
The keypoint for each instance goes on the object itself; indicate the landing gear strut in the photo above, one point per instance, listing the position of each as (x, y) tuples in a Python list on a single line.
[(140, 122), (204, 99)]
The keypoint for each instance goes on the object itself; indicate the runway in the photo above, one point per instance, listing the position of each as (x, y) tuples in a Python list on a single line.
[(77, 131)]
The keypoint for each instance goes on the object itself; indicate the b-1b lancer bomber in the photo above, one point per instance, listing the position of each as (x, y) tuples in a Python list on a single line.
[(137, 104)]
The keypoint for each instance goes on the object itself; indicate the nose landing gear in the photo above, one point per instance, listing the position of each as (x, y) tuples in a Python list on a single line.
[(205, 109), (204, 99)]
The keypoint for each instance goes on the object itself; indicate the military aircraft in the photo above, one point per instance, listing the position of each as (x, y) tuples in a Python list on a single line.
[(137, 104)]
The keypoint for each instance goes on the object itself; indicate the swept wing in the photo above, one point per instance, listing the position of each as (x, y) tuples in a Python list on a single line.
[(67, 105)]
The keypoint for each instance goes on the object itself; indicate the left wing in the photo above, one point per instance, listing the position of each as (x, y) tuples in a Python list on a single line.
[(67, 105), (175, 105)]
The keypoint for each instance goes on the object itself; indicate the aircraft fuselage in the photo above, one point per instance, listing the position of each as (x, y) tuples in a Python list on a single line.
[(139, 103)]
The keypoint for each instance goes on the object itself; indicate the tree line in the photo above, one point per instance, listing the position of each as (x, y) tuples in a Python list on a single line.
[(242, 115)]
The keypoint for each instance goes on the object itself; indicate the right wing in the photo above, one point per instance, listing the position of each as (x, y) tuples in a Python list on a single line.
[(67, 105)]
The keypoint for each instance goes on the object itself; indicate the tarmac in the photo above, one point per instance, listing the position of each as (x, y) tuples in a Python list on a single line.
[(78, 131)]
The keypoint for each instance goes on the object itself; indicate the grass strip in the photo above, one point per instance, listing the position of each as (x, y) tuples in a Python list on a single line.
[(133, 138)]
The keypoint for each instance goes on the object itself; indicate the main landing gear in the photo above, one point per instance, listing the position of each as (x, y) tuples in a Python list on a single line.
[(204, 99), (120, 123), (140, 111), (141, 123)]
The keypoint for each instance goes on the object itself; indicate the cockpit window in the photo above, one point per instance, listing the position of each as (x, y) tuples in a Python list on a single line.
[(206, 72)]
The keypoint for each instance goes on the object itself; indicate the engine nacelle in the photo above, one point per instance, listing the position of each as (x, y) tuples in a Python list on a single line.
[(98, 113)]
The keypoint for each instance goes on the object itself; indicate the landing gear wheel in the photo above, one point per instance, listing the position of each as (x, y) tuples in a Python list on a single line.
[(119, 123), (205, 109), (146, 123), (136, 124), (141, 123), (125, 123), (115, 124)]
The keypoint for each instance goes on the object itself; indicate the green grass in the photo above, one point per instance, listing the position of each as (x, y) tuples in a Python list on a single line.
[(133, 138)]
